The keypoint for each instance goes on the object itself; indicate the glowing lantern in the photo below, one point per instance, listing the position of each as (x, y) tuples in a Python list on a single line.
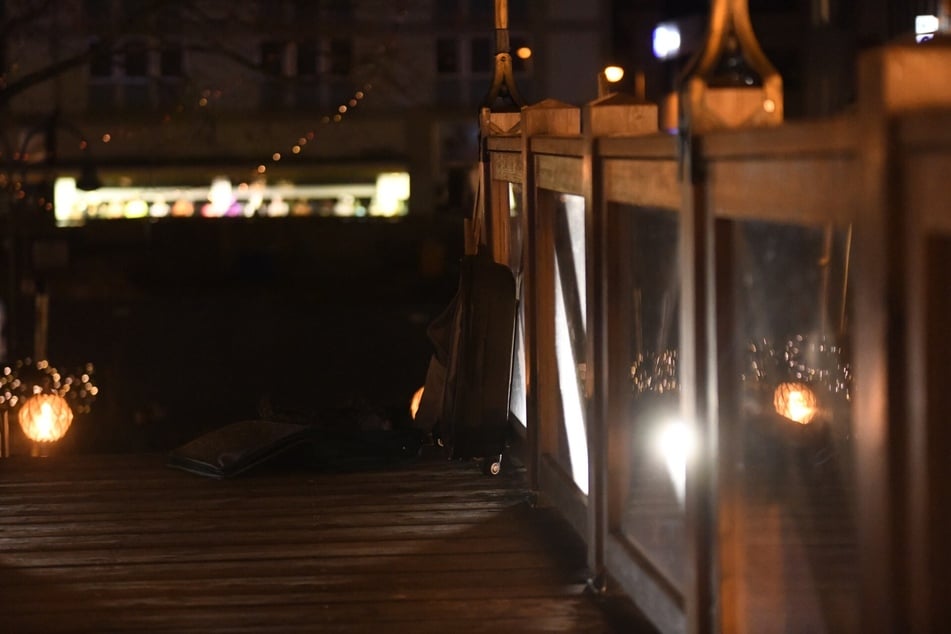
[(45, 418), (796, 402), (613, 73), (415, 401)]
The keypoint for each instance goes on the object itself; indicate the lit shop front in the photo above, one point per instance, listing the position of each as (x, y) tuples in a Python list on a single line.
[(386, 196)]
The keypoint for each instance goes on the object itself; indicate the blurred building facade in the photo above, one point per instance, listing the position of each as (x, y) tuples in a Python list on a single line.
[(812, 43), (303, 91)]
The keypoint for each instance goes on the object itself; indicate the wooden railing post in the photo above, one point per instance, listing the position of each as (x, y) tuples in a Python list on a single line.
[(609, 446), (750, 95), (549, 117), (901, 588)]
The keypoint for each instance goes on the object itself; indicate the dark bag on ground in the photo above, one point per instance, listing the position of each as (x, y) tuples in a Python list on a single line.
[(243, 445), (465, 400)]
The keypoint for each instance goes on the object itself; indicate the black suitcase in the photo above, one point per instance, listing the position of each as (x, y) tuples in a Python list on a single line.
[(466, 394)]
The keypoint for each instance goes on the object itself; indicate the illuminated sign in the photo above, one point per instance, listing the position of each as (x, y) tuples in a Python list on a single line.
[(387, 196)]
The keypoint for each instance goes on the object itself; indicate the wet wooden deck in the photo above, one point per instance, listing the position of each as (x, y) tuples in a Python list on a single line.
[(123, 543)]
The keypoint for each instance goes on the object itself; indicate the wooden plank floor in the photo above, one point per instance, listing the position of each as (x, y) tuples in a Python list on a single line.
[(124, 544)]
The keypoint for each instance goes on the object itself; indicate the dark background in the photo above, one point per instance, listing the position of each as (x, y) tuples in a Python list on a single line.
[(191, 325)]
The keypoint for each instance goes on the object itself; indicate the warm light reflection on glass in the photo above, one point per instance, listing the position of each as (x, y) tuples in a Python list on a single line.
[(416, 400), (523, 52), (676, 443), (796, 402)]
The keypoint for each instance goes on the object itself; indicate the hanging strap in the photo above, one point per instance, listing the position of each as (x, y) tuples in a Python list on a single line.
[(474, 225)]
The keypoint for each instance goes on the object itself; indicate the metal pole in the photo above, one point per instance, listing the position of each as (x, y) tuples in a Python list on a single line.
[(503, 77), (5, 441)]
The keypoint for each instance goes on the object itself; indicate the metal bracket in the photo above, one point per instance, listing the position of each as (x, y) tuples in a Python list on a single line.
[(503, 79)]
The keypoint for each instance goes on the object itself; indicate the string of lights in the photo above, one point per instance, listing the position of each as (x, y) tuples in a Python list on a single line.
[(296, 147), (26, 378)]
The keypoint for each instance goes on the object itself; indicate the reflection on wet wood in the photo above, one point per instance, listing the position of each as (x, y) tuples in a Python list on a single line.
[(122, 543)]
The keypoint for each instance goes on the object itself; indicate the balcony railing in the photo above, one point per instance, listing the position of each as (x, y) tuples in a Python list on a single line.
[(730, 353)]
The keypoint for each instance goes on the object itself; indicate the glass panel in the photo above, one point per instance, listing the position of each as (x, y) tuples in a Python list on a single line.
[(517, 406), (648, 294), (786, 439), (569, 266)]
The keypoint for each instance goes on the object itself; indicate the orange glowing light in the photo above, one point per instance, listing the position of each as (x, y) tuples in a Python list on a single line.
[(613, 73), (45, 417), (414, 403), (523, 52), (796, 402)]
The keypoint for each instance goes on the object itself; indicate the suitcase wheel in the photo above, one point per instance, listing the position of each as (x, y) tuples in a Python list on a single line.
[(492, 466)]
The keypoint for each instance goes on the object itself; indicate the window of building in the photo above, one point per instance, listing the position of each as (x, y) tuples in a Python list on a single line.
[(171, 62), (447, 56), (272, 89), (306, 11), (482, 59), (329, 57), (101, 63), (96, 10), (337, 9), (135, 60), (341, 56), (168, 19), (136, 9), (272, 57), (446, 9), (307, 55)]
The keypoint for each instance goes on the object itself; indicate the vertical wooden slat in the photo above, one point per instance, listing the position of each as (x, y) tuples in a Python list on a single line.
[(595, 355), (892, 80), (928, 287), (554, 118), (696, 386), (609, 454)]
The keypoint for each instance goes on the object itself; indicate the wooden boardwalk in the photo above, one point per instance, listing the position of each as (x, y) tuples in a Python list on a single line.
[(121, 543)]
